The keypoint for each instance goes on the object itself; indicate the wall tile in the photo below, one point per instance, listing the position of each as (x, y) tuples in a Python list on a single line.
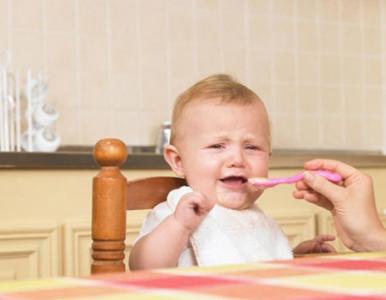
[(371, 9), (350, 11), (353, 100), (283, 35), (284, 66), (260, 32), (260, 64), (330, 69), (284, 8), (351, 40), (372, 41), (286, 98), (309, 131), (332, 132), (61, 15), (94, 91), (331, 101), (182, 60), (125, 54), (306, 9), (329, 37), (352, 70), (207, 5), (152, 22), (308, 101), (285, 133), (373, 72), (180, 23), (111, 63), (68, 125), (4, 24), (307, 36), (126, 126), (92, 17), (373, 133), (61, 52), (93, 54), (260, 7), (373, 102), (63, 88), (208, 59), (123, 18), (27, 14), (354, 133), (308, 70), (328, 10), (233, 33), (95, 124), (208, 28), (125, 92), (150, 121), (234, 63), (33, 58)]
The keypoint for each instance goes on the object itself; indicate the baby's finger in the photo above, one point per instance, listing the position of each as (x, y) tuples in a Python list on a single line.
[(327, 248), (202, 202), (325, 237)]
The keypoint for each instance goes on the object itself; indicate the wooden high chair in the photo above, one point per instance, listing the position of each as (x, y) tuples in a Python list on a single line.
[(112, 196)]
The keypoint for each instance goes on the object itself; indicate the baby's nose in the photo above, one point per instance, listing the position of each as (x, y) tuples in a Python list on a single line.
[(236, 158)]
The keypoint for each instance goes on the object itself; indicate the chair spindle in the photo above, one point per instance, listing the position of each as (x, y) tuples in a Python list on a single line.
[(109, 208)]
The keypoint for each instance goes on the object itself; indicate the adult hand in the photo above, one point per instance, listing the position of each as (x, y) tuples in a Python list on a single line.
[(351, 203)]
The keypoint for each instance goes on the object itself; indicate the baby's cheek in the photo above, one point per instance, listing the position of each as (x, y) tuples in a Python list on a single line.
[(221, 198)]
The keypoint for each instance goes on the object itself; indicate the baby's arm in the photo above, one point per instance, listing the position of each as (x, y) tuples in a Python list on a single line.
[(316, 245), (162, 247)]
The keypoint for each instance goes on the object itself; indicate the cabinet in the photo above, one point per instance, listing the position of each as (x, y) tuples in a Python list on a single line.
[(45, 225)]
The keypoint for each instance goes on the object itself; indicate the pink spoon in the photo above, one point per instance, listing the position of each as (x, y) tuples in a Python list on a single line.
[(261, 182)]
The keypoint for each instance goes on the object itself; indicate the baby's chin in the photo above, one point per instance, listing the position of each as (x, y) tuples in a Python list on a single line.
[(235, 201)]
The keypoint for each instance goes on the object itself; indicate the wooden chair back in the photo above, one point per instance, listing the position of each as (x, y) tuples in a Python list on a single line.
[(112, 195)]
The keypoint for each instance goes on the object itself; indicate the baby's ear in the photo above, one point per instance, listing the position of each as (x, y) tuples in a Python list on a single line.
[(173, 158)]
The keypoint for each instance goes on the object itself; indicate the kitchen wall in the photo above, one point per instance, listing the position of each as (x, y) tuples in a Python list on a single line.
[(116, 66)]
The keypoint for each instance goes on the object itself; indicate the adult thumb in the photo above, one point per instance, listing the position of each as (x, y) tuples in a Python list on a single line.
[(322, 186)]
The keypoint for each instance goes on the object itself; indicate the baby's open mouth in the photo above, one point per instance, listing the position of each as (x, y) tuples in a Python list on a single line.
[(234, 180)]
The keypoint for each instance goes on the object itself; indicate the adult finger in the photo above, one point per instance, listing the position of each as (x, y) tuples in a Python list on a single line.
[(322, 186), (332, 165)]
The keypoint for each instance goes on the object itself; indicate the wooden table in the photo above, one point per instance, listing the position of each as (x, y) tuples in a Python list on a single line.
[(336, 277)]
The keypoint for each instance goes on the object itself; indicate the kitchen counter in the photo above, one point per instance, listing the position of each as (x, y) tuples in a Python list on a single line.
[(144, 158)]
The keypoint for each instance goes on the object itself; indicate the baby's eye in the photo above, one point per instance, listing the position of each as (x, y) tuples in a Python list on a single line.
[(252, 147), (216, 146)]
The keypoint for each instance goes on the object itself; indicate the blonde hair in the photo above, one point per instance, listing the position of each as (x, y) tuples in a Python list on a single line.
[(221, 86)]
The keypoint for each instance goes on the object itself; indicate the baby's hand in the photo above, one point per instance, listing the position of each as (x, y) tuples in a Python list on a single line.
[(316, 245), (192, 209)]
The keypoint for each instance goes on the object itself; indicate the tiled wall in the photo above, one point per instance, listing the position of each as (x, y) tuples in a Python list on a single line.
[(116, 66)]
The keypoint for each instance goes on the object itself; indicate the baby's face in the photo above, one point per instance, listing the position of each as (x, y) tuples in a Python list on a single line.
[(221, 146)]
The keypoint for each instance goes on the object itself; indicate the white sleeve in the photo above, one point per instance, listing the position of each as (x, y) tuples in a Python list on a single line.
[(154, 218)]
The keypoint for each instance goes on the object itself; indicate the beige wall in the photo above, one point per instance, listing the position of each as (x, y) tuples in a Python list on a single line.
[(115, 66)]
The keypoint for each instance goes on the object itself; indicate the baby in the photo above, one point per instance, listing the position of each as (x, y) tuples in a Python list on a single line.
[(220, 137)]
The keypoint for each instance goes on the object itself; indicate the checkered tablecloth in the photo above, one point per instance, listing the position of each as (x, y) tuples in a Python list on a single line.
[(340, 277)]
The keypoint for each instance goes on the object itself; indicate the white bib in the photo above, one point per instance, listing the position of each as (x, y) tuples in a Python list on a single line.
[(229, 236)]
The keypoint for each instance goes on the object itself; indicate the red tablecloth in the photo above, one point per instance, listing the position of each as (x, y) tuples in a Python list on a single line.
[(350, 276)]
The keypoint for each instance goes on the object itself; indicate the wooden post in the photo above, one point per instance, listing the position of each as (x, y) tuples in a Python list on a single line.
[(109, 208)]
